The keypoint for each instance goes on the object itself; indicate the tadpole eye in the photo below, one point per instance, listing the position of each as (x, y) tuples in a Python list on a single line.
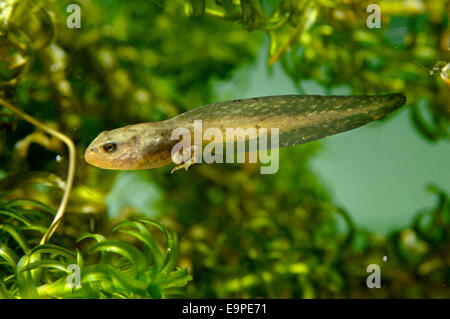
[(110, 147)]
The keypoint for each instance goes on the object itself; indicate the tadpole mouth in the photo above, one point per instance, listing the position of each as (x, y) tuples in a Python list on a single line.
[(89, 154)]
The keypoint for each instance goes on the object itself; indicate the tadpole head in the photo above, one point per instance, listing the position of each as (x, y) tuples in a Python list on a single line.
[(113, 150)]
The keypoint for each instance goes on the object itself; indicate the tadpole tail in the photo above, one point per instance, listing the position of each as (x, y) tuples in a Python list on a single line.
[(299, 118), (336, 114)]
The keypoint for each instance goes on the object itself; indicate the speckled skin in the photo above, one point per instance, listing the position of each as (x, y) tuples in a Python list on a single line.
[(300, 119)]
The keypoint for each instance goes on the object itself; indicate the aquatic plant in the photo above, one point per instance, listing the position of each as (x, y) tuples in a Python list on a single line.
[(32, 270), (244, 235)]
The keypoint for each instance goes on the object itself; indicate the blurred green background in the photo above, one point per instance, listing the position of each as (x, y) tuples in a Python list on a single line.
[(372, 171), (377, 194)]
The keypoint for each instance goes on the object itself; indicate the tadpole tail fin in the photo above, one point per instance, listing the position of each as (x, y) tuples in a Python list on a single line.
[(336, 114)]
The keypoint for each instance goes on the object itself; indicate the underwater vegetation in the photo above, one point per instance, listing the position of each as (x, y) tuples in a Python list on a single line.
[(219, 230)]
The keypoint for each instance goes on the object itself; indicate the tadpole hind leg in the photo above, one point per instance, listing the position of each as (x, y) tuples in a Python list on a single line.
[(187, 163)]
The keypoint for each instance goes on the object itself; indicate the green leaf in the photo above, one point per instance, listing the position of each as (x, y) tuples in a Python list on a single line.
[(105, 256), (53, 249), (98, 237), (126, 250), (16, 234), (119, 280), (4, 293), (58, 288), (29, 202), (176, 278), (80, 261), (38, 228), (25, 281), (154, 291), (172, 251), (13, 214), (45, 263), (144, 236), (7, 254)]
